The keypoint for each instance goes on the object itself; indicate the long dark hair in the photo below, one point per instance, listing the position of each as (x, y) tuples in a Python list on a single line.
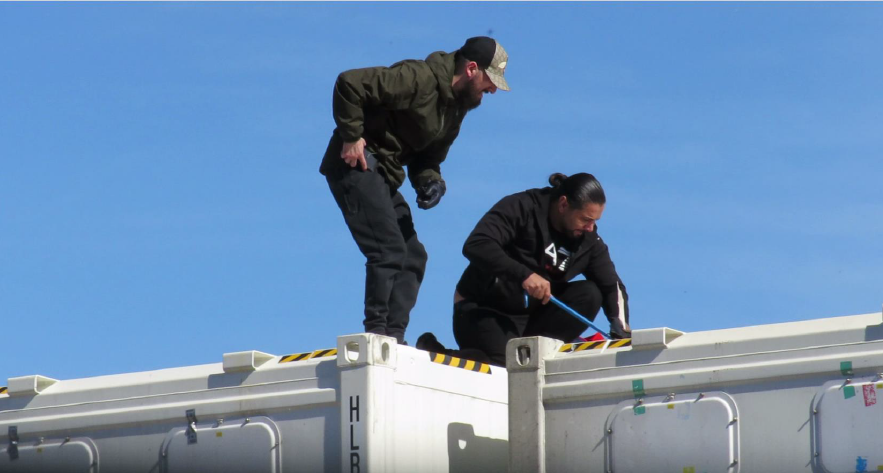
[(580, 189)]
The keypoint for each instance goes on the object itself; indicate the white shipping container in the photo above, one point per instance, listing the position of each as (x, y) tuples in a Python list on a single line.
[(779, 398), (369, 405)]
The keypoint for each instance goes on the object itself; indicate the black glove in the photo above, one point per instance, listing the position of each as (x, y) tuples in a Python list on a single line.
[(430, 193)]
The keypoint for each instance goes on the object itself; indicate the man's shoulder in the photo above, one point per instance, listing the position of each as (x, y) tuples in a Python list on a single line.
[(535, 196), (415, 66), (420, 72), (432, 76), (525, 200), (407, 68)]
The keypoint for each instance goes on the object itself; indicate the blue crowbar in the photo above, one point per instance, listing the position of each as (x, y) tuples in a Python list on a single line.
[(572, 312)]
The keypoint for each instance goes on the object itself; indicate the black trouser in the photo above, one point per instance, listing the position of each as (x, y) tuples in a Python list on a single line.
[(482, 332), (380, 221)]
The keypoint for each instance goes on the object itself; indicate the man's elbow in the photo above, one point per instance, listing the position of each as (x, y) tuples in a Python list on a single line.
[(472, 249), (468, 250)]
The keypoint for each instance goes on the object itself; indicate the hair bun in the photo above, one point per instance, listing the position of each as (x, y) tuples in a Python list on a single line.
[(557, 179)]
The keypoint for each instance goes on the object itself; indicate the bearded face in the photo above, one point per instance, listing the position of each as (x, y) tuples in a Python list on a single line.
[(576, 221), (469, 97)]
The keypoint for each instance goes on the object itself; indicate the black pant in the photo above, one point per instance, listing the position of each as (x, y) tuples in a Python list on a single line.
[(380, 221), (482, 332)]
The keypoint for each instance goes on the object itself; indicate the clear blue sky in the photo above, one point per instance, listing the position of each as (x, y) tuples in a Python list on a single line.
[(160, 201)]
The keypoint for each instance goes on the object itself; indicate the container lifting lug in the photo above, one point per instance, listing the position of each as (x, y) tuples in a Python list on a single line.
[(13, 443), (191, 425)]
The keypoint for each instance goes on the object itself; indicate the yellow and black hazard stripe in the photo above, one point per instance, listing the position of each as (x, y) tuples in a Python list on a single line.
[(596, 345), (2, 389), (470, 365), (308, 355)]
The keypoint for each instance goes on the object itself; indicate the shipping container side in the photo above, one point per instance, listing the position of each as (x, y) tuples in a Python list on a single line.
[(367, 405), (794, 397)]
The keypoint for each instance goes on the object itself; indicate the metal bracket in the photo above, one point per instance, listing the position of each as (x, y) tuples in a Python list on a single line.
[(13, 443), (191, 425)]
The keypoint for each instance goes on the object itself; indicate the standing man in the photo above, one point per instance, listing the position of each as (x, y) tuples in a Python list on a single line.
[(535, 242), (389, 118)]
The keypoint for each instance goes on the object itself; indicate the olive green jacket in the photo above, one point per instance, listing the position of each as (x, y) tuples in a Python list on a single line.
[(406, 113)]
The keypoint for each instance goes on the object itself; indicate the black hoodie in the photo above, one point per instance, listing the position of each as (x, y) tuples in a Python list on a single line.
[(511, 241)]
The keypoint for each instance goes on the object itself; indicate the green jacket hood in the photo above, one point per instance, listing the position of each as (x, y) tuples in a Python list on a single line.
[(442, 65)]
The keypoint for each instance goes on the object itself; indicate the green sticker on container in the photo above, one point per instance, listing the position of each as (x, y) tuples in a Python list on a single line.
[(640, 410), (846, 368), (689, 469), (638, 388), (848, 392)]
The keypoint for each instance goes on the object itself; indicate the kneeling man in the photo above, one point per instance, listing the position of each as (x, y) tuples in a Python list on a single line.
[(535, 242)]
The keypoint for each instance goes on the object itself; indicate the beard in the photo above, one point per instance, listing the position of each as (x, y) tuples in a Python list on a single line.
[(469, 97)]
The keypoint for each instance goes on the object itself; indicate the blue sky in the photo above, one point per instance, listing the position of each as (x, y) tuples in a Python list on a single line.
[(160, 201)]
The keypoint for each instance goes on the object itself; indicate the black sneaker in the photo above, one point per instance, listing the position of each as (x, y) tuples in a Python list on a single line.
[(428, 342)]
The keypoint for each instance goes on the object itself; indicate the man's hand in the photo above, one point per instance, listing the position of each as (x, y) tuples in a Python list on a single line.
[(354, 153), (538, 287), (429, 195)]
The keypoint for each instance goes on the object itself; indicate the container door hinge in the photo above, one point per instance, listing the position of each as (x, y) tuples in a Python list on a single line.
[(13, 443), (191, 426)]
